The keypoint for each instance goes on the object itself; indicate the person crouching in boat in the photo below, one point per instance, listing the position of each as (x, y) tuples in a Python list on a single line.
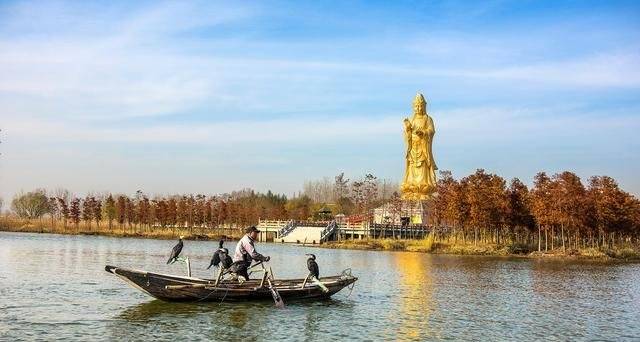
[(245, 253)]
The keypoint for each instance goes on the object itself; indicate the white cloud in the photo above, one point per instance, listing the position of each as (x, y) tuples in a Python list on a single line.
[(89, 76), (127, 70), (569, 123), (144, 65), (600, 71), (291, 130), (462, 125)]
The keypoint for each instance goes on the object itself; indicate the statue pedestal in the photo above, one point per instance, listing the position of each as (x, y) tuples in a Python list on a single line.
[(401, 213)]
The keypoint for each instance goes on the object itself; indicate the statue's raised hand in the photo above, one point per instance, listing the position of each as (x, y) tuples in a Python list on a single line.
[(407, 124)]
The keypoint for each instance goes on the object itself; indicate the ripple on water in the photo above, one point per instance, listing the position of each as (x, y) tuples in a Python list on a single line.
[(54, 288)]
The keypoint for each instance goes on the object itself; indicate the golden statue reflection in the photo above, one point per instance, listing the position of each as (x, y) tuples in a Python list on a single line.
[(420, 174), (417, 291)]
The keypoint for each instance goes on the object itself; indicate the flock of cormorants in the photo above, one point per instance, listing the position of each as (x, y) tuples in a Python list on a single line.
[(221, 258)]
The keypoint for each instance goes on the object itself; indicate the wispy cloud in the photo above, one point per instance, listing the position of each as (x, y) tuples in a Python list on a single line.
[(618, 70), (300, 130), (208, 74), (464, 125), (149, 63)]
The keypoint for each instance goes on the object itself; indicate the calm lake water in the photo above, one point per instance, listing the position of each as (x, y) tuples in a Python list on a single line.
[(54, 287)]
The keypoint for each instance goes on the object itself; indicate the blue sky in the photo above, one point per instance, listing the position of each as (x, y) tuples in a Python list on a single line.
[(211, 97)]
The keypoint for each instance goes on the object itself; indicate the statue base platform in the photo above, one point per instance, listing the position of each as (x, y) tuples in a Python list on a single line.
[(402, 212)]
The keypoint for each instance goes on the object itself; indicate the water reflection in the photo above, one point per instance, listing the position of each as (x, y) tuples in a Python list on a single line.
[(416, 287), (254, 320), (55, 287), (150, 310)]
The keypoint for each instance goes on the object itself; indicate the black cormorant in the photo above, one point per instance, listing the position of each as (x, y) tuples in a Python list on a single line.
[(175, 253), (221, 256), (312, 265), (215, 259), (314, 272), (225, 258)]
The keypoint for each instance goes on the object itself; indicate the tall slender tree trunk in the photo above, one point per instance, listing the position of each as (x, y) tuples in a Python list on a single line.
[(563, 249), (539, 239), (613, 242), (578, 239), (546, 239), (475, 236)]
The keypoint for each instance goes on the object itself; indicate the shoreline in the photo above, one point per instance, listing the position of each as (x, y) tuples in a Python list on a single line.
[(440, 248), (426, 246), (141, 233), (190, 237)]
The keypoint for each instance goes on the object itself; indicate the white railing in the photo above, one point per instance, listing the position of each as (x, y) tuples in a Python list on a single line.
[(288, 228), (328, 231)]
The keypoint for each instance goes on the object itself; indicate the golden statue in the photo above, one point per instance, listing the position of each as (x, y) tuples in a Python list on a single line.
[(420, 175)]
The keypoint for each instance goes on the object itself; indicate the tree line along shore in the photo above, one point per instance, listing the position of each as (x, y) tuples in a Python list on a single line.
[(481, 213)]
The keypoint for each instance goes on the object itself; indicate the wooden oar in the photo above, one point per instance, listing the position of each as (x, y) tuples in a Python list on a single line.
[(254, 265), (274, 293)]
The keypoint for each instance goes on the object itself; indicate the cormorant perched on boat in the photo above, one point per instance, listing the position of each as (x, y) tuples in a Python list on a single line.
[(215, 259), (175, 253), (314, 273), (225, 258), (221, 255), (312, 265)]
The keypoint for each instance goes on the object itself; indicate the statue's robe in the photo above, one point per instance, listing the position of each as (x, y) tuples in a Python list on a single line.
[(420, 176)]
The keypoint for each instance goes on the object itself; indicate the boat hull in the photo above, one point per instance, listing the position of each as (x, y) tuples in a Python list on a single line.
[(187, 289)]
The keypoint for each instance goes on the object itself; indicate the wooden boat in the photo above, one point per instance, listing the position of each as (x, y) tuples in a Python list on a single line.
[(188, 289)]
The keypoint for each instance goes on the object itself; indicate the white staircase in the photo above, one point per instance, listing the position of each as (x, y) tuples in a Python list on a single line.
[(304, 234)]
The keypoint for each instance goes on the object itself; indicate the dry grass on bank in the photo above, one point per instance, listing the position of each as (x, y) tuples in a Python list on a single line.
[(426, 245), (13, 224), (429, 245)]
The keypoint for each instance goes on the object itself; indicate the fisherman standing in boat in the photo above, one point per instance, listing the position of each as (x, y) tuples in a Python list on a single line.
[(245, 253)]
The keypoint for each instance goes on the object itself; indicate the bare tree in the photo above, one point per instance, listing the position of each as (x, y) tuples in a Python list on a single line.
[(370, 190), (319, 191), (341, 187), (386, 188), (63, 194), (31, 205)]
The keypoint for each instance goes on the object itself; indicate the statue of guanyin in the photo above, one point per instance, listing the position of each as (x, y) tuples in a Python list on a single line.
[(420, 174)]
